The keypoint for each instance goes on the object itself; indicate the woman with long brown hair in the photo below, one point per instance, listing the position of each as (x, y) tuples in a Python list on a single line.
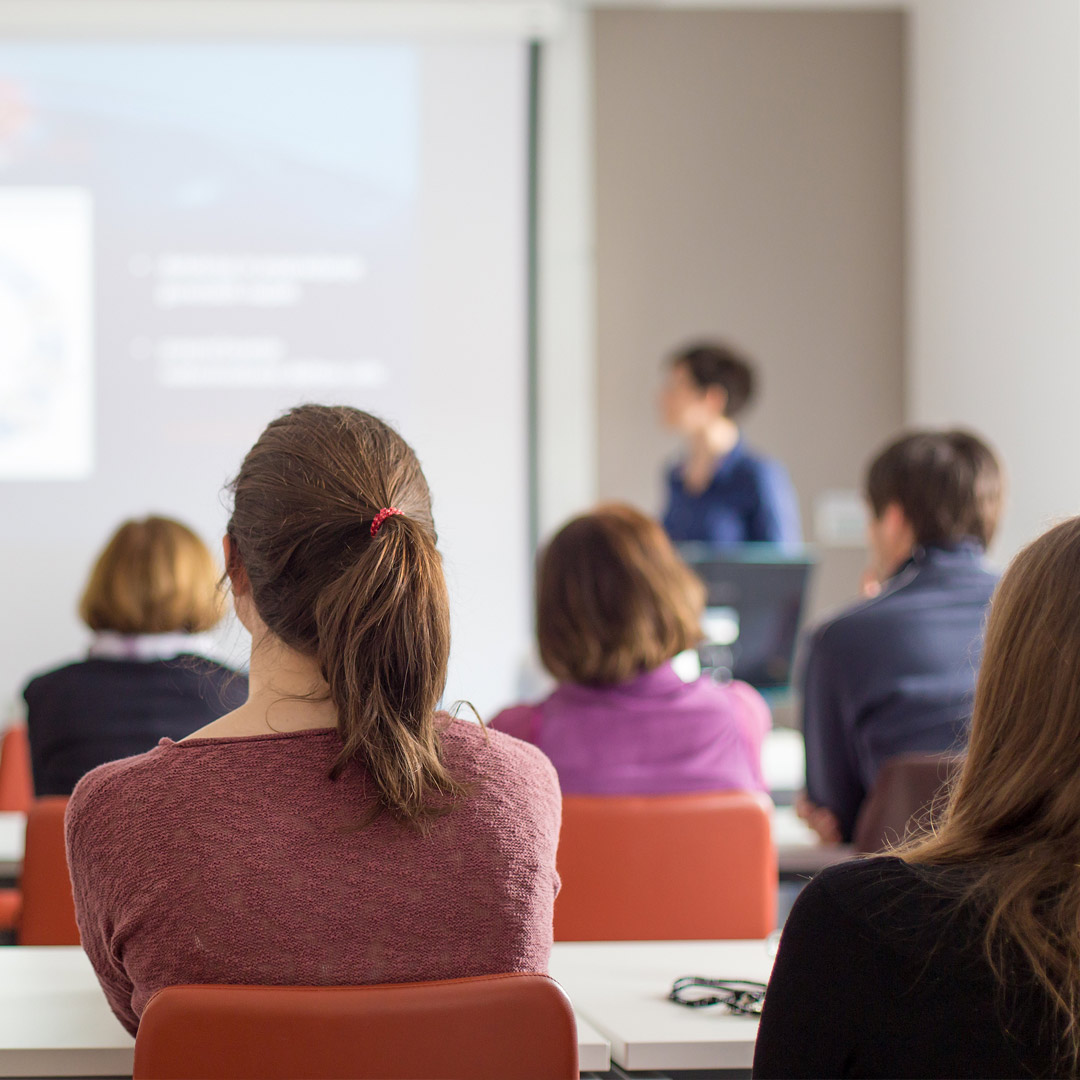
[(960, 954), (336, 828)]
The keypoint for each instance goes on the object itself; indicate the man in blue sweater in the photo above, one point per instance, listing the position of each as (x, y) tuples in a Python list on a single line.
[(895, 674)]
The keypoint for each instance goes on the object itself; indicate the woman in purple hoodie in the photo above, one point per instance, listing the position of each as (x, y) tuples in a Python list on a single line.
[(615, 604)]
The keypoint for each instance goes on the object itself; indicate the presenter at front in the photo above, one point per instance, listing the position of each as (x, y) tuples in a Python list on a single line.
[(721, 491)]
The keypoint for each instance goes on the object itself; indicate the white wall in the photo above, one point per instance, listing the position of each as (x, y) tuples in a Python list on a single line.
[(994, 233), (566, 344)]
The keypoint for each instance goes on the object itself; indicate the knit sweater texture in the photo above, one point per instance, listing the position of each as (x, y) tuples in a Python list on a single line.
[(238, 860)]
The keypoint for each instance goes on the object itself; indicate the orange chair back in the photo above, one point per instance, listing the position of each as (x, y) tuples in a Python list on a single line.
[(666, 867), (48, 909), (16, 779), (485, 1028)]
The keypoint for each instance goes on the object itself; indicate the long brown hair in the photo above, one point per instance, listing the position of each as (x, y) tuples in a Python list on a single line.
[(1013, 818), (373, 610), (613, 598)]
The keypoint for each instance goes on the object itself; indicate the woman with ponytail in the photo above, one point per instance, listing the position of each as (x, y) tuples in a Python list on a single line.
[(336, 828), (959, 955)]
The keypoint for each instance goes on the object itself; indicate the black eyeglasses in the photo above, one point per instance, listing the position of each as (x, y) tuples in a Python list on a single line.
[(741, 996)]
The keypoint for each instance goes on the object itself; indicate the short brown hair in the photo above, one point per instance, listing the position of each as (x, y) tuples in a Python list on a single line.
[(155, 576), (614, 599), (370, 607), (947, 483), (715, 364)]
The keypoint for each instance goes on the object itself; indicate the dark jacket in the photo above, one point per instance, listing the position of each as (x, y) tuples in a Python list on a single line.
[(894, 675), (98, 710)]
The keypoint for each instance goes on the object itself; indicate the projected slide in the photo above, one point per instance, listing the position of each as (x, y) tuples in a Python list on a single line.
[(46, 393), (253, 217), (197, 235)]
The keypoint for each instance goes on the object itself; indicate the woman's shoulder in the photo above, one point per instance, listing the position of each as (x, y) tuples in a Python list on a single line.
[(471, 742), (103, 793), (521, 721), (201, 665), (72, 671), (893, 901), (496, 761), (734, 697), (93, 669)]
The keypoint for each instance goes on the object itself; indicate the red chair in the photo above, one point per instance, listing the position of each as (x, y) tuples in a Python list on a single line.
[(16, 780), (666, 867), (485, 1028), (48, 908)]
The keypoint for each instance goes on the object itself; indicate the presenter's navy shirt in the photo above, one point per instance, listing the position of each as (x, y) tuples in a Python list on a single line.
[(749, 500), (894, 675)]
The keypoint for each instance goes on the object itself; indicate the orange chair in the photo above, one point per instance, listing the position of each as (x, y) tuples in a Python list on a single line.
[(10, 908), (485, 1028), (16, 781), (48, 908), (666, 867)]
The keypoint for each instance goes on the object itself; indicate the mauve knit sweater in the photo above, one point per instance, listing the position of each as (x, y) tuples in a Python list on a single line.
[(238, 861)]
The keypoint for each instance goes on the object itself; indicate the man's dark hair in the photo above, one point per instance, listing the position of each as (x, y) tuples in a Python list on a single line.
[(947, 483), (712, 364)]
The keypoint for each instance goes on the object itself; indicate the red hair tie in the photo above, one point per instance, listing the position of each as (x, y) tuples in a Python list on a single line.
[(381, 516)]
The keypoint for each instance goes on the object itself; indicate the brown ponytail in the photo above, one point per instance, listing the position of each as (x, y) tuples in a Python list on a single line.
[(373, 610)]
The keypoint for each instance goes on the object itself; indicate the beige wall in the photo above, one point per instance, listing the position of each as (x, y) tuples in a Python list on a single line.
[(749, 184), (995, 241)]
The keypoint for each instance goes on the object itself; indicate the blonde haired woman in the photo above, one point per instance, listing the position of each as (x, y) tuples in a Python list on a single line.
[(151, 597), (960, 956)]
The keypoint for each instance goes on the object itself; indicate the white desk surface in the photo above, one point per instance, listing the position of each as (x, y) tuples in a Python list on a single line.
[(55, 1021), (622, 987), (12, 837)]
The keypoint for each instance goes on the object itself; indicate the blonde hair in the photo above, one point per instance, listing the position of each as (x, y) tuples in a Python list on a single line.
[(155, 576), (1013, 817)]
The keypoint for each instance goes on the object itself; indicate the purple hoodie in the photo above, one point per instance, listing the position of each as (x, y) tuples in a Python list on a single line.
[(653, 735)]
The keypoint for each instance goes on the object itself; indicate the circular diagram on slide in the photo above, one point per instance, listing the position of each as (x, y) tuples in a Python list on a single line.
[(32, 352)]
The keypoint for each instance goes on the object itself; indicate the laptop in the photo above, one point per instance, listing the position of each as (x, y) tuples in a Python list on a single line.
[(755, 597)]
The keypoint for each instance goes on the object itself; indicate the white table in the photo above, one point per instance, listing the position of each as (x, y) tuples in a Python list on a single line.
[(622, 987), (55, 1021), (12, 838)]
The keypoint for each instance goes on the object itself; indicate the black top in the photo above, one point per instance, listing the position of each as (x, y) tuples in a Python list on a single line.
[(881, 974), (894, 675), (82, 715)]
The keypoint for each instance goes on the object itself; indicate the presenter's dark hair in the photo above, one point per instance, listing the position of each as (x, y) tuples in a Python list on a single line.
[(714, 364), (947, 483), (372, 610), (614, 599)]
